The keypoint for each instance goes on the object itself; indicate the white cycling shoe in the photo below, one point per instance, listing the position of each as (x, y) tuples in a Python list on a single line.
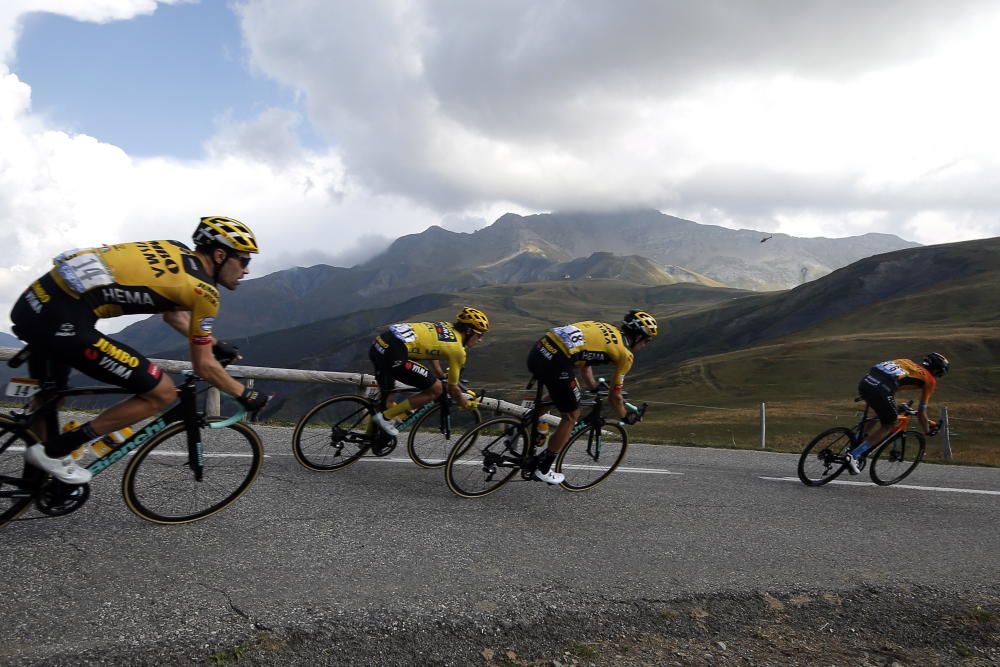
[(64, 469), (387, 425), (550, 477), (852, 465)]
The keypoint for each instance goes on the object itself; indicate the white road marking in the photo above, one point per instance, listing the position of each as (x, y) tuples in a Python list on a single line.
[(894, 486), (640, 471)]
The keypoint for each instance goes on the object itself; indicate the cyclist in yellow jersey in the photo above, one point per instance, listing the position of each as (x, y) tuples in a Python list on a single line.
[(394, 349), (583, 345), (878, 388), (57, 314)]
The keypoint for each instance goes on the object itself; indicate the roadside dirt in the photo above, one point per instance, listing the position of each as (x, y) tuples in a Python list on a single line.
[(890, 627)]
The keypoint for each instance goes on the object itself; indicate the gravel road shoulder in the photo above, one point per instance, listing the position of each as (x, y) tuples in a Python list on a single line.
[(872, 626)]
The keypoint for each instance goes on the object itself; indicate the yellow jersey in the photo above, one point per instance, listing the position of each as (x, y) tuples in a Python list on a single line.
[(433, 340), (143, 277), (592, 343)]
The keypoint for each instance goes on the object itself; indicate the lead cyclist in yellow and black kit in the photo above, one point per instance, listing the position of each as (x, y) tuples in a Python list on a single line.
[(582, 345), (57, 314), (393, 350)]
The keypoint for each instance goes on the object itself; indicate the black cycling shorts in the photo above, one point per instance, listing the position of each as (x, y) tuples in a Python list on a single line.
[(555, 370), (62, 336), (391, 360), (881, 397)]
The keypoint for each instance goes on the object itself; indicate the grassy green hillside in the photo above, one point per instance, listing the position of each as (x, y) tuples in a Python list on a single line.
[(947, 302), (723, 352)]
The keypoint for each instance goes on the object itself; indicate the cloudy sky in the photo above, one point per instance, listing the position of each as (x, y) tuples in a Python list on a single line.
[(331, 127)]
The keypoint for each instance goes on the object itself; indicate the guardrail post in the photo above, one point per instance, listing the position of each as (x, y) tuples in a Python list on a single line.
[(249, 385), (763, 425), (945, 433), (213, 402)]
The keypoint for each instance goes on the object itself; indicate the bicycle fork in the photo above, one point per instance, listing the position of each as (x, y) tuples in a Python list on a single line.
[(196, 449)]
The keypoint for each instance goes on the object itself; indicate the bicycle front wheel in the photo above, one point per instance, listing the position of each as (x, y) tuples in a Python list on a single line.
[(333, 434), (431, 440), (591, 455), (160, 486), (485, 457), (823, 459), (898, 457), (15, 490)]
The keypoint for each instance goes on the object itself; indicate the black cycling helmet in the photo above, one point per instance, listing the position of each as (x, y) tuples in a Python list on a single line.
[(936, 363)]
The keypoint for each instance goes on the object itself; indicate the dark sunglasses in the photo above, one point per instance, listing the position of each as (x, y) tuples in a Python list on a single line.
[(244, 261)]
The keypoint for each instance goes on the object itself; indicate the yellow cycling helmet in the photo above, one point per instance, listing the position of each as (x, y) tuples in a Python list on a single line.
[(226, 232), (474, 319), (640, 323)]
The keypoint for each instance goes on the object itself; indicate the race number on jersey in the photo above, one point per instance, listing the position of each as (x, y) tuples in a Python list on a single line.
[(403, 332), (571, 336), (84, 271), (891, 368)]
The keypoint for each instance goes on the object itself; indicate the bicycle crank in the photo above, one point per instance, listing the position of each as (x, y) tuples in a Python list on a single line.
[(383, 445), (57, 498)]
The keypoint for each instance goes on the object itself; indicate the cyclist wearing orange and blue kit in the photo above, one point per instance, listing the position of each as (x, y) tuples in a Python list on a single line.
[(878, 388)]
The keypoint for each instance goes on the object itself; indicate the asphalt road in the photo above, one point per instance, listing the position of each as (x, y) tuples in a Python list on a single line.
[(384, 540)]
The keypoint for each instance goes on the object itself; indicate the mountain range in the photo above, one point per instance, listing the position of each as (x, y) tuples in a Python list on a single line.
[(720, 345), (644, 247)]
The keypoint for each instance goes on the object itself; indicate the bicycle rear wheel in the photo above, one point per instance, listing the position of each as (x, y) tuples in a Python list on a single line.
[(485, 457), (333, 434), (823, 459), (16, 491), (430, 441), (591, 455), (897, 457), (159, 484)]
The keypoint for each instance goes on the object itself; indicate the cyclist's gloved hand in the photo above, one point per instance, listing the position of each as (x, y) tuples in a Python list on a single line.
[(632, 417), (225, 352), (253, 400), (472, 404), (933, 427)]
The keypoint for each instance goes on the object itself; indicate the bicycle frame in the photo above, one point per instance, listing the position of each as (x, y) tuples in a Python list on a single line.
[(185, 410), (532, 418), (444, 400), (864, 426)]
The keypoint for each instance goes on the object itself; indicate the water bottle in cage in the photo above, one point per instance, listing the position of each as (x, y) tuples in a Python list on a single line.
[(542, 434)]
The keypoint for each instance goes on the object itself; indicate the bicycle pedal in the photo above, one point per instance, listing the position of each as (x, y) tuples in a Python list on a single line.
[(382, 447)]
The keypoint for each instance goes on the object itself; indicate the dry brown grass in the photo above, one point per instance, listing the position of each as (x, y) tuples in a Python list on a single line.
[(975, 427)]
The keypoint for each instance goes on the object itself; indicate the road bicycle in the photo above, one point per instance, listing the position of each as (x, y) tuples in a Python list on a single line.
[(338, 431), (182, 465), (488, 456), (899, 453)]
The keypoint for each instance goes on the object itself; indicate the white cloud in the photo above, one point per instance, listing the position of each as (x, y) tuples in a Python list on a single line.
[(858, 111), (804, 118)]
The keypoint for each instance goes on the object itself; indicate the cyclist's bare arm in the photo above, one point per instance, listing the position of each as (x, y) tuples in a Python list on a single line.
[(617, 402), (210, 370), (924, 420), (587, 376), (458, 396), (437, 370), (179, 320), (206, 366)]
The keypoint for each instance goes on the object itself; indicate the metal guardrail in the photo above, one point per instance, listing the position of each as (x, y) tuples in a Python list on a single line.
[(362, 381)]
